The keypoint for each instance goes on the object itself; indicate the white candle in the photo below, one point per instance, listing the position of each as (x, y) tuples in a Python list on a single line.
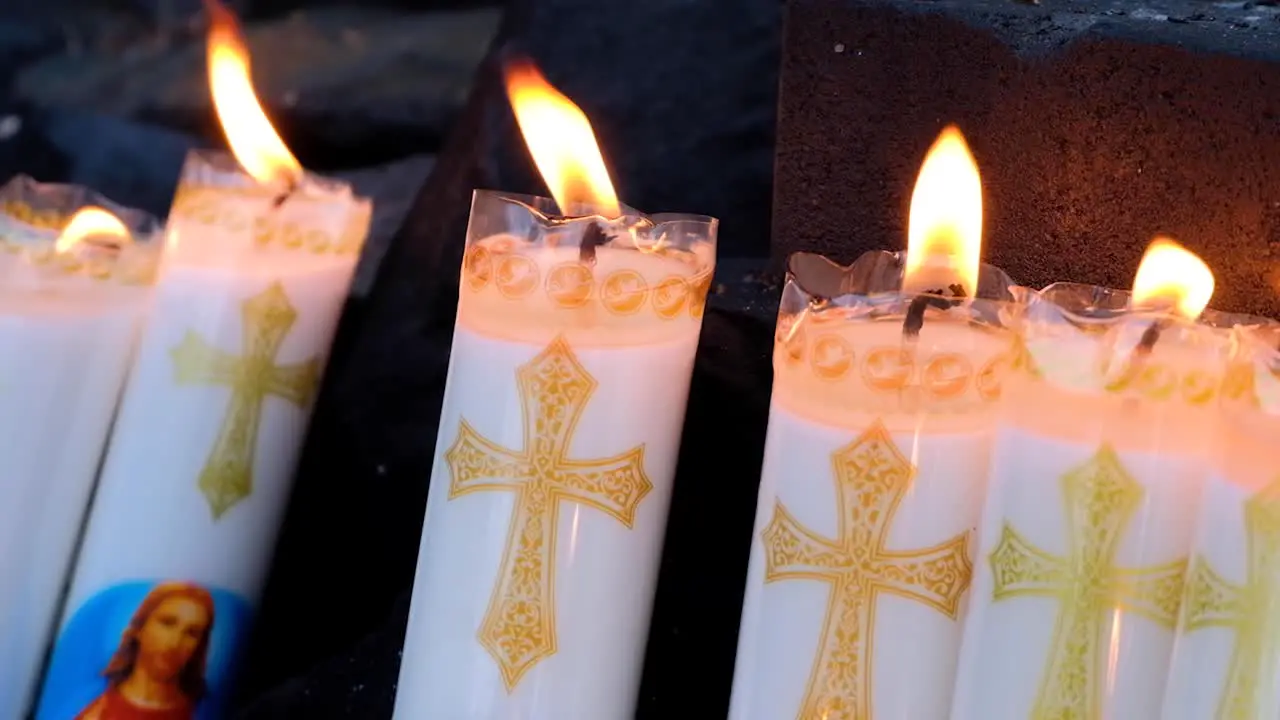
[(874, 470), (554, 465), (1100, 457), (200, 463), (1226, 659), (68, 323)]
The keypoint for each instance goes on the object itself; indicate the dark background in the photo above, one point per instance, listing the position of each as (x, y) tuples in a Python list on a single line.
[(1095, 131)]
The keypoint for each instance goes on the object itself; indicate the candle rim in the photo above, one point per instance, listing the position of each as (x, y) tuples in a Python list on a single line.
[(811, 276), (530, 221), (820, 277), (546, 208), (1121, 307)]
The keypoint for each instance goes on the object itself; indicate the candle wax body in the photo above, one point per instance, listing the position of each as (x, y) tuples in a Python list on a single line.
[(862, 619), (191, 405), (58, 390), (1226, 659), (1088, 519), (463, 662)]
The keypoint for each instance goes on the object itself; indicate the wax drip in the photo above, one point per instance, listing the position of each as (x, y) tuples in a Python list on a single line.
[(914, 321)]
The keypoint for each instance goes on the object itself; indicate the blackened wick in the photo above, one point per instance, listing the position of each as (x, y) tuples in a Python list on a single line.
[(592, 238), (1150, 337), (914, 321), (289, 190)]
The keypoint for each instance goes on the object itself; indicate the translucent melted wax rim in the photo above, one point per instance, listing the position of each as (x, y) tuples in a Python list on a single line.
[(546, 207), (871, 288), (130, 261), (1095, 307), (218, 168), (65, 199), (1262, 341), (544, 211)]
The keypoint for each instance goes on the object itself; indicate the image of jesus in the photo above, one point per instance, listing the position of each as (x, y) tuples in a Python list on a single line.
[(158, 671)]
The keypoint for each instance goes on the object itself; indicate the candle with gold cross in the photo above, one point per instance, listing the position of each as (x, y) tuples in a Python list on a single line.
[(73, 290), (1226, 659), (200, 466), (1101, 453), (886, 378), (572, 354)]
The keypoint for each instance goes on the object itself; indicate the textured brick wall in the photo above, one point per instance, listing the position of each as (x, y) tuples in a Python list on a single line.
[(1095, 127)]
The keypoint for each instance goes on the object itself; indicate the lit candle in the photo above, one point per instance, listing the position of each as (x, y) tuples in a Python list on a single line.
[(70, 306), (1226, 659), (886, 377), (571, 361), (199, 468), (1100, 459)]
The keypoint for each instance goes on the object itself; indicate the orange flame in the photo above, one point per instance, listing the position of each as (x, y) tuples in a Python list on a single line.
[(944, 230), (561, 141), (88, 223), (1170, 273), (253, 140)]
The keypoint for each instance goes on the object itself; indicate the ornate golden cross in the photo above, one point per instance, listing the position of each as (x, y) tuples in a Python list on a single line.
[(871, 478), (519, 628), (1251, 610), (227, 477), (1100, 499)]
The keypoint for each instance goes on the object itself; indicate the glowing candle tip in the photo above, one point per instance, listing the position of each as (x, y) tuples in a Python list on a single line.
[(944, 228), (1171, 274), (87, 223), (561, 141), (253, 140)]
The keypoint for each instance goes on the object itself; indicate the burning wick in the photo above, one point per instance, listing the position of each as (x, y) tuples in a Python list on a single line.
[(593, 238), (1137, 358), (92, 225), (290, 189), (254, 141), (1150, 337), (1171, 275), (914, 321)]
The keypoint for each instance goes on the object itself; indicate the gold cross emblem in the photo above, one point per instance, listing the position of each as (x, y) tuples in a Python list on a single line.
[(1249, 610), (871, 479), (1100, 500), (519, 627), (227, 477)]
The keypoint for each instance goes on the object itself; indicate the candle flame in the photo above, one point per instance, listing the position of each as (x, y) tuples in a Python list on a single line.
[(944, 230), (91, 222), (1170, 273), (254, 142), (561, 141)]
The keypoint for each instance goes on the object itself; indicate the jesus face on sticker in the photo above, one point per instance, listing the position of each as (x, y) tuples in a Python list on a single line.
[(158, 671)]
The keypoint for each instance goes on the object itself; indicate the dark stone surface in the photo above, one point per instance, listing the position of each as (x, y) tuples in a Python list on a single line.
[(682, 98), (132, 163), (393, 187), (347, 87), (1097, 124), (170, 15), (267, 8), (349, 685), (25, 149), (20, 42)]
